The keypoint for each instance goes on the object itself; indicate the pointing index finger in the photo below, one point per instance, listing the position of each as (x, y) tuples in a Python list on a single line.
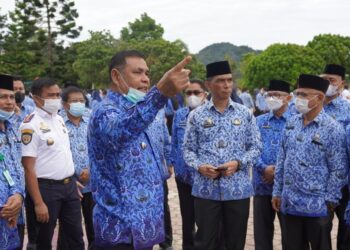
[(181, 65)]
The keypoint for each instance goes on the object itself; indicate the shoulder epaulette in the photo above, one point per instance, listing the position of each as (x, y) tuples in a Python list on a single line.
[(28, 118)]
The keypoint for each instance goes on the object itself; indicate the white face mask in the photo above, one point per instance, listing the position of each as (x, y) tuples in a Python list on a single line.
[(332, 90), (194, 101), (302, 105), (52, 105), (273, 103)]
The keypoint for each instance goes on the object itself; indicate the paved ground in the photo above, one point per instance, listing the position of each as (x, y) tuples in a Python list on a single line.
[(176, 223)]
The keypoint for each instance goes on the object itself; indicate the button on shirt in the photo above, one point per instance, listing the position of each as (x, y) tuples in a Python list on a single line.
[(311, 166), (45, 137), (183, 172), (9, 161), (339, 109), (78, 145), (271, 128), (126, 178), (216, 138)]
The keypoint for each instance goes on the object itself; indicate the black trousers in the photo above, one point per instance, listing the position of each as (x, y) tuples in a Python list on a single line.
[(211, 215), (32, 229), (121, 247), (63, 203), (87, 205), (313, 230), (343, 237), (187, 214), (264, 217), (168, 242), (20, 228)]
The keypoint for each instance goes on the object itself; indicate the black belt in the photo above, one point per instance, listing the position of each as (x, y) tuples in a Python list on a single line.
[(64, 181)]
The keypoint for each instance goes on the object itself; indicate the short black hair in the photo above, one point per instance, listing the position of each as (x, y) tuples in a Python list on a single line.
[(119, 59), (40, 83), (68, 84), (67, 91), (200, 82), (17, 78)]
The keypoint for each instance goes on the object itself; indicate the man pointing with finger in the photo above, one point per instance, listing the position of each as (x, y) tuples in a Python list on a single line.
[(126, 178), (222, 142)]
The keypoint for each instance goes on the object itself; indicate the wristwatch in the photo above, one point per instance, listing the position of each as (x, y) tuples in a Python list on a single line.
[(239, 165)]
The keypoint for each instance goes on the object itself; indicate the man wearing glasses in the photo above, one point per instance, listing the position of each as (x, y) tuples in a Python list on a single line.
[(271, 126), (195, 96), (76, 117), (311, 169), (339, 109)]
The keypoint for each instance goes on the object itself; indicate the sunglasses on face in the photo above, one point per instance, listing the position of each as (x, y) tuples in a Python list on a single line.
[(193, 92)]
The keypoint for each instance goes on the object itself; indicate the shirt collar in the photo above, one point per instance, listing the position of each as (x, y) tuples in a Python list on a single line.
[(66, 119), (284, 115), (318, 119), (335, 101), (119, 99), (42, 113), (210, 104)]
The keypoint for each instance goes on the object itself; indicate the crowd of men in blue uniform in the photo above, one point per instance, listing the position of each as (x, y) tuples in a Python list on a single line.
[(62, 161)]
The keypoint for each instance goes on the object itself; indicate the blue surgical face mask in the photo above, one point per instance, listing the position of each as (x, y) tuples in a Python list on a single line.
[(77, 109), (4, 115), (134, 95)]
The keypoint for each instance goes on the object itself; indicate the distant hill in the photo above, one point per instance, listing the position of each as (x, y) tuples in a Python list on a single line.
[(217, 52)]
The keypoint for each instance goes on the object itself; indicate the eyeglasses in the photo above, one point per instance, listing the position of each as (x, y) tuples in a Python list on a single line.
[(274, 94), (303, 94), (193, 92), (76, 100)]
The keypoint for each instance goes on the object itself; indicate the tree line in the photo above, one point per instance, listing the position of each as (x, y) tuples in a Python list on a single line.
[(39, 37)]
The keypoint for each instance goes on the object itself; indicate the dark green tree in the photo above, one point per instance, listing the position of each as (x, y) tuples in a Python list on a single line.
[(281, 61), (19, 40), (92, 58), (146, 36), (143, 29), (333, 49), (3, 19), (54, 17)]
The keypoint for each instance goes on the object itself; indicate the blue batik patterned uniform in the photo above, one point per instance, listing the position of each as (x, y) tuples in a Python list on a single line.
[(126, 169), (161, 142), (9, 142), (78, 145), (347, 213), (339, 109), (311, 166), (183, 172), (271, 128), (29, 103), (216, 138)]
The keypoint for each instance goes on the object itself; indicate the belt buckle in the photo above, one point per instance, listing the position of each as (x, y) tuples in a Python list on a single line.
[(66, 181)]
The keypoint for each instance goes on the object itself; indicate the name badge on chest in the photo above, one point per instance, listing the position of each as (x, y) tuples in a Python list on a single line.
[(44, 128), (236, 122), (208, 123), (8, 178)]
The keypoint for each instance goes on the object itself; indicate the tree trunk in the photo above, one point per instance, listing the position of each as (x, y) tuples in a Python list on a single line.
[(49, 36)]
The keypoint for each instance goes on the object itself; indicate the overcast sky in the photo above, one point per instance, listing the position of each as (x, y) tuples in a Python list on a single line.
[(256, 23)]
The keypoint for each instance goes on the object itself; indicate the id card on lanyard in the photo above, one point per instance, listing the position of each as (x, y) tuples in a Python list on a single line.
[(6, 173)]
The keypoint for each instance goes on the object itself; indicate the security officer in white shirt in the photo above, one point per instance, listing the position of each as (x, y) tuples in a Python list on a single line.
[(49, 168)]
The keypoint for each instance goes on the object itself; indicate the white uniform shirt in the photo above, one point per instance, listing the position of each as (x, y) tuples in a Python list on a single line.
[(45, 137)]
